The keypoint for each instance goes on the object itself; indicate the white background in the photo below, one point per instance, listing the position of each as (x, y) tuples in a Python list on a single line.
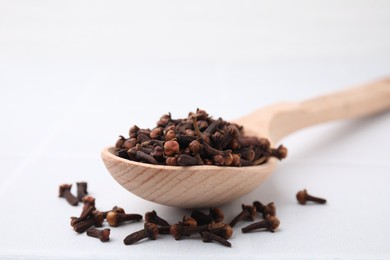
[(76, 74)]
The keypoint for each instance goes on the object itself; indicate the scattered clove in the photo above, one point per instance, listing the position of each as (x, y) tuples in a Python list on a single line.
[(87, 212), (209, 237), (114, 218), (95, 220), (150, 231), (265, 210), (210, 226), (248, 213), (180, 229), (270, 224), (88, 201), (303, 197), (81, 190), (225, 231), (103, 235), (115, 209), (189, 221), (64, 192), (152, 217), (215, 215)]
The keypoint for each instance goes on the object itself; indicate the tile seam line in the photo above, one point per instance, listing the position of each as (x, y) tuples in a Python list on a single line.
[(339, 164)]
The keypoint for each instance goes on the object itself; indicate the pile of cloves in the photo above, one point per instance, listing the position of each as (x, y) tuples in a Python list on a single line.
[(211, 227), (91, 217), (196, 140)]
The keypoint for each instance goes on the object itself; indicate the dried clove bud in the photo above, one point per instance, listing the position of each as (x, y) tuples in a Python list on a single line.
[(215, 215), (115, 209), (158, 153), (96, 220), (202, 125), (189, 221), (270, 224), (164, 120), (209, 237), (81, 190), (171, 161), (171, 148), (236, 160), (150, 231), (303, 197), (115, 218), (213, 126), (186, 160), (87, 212), (120, 142), (152, 217), (130, 143), (189, 132), (64, 192), (103, 235), (88, 201), (280, 152), (180, 229), (267, 210), (144, 157), (247, 153), (195, 146), (248, 213), (170, 135), (123, 153), (218, 160), (133, 131), (156, 132)]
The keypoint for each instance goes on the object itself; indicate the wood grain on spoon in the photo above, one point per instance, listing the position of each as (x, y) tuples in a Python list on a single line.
[(209, 186)]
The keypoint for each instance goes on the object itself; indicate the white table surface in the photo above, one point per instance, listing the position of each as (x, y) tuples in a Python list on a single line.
[(74, 75)]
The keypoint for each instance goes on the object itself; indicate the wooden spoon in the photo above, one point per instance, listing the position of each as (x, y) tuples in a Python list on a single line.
[(209, 186)]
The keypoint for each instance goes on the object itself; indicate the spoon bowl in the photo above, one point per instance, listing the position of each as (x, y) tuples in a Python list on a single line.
[(210, 186), (185, 187)]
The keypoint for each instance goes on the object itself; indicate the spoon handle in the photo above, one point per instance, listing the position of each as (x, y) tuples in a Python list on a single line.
[(282, 119), (350, 103)]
